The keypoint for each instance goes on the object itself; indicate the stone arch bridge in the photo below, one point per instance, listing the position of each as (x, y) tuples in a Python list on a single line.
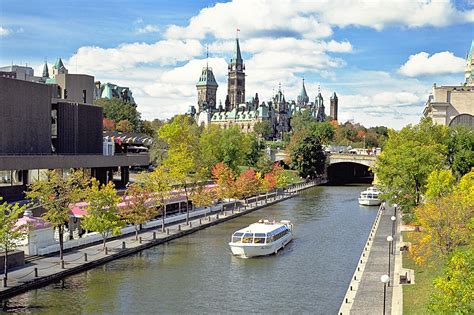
[(343, 167)]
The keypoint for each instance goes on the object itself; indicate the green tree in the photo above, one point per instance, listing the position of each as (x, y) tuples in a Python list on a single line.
[(255, 150), (183, 159), (102, 212), (159, 183), (10, 234), (210, 146), (264, 164), (301, 120), (409, 156), (323, 131), (234, 146), (263, 129), (306, 154), (56, 193), (118, 110), (445, 216), (461, 150), (454, 291), (137, 209)]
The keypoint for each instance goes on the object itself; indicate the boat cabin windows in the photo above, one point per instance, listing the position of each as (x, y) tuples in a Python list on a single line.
[(237, 237), (259, 238), (247, 238), (277, 234)]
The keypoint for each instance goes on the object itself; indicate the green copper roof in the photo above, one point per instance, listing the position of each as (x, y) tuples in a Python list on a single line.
[(59, 64), (303, 96), (51, 81), (207, 78), (236, 56)]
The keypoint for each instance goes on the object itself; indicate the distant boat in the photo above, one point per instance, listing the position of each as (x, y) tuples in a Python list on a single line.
[(262, 238), (370, 197)]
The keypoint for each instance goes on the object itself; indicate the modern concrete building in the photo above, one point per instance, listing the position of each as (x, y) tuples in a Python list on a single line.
[(454, 105), (24, 73), (77, 88), (41, 132)]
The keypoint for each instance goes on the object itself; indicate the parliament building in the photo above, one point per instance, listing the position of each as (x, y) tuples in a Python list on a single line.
[(237, 112)]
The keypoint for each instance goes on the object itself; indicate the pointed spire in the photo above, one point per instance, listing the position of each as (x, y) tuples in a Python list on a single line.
[(45, 69), (236, 56), (302, 98), (207, 56)]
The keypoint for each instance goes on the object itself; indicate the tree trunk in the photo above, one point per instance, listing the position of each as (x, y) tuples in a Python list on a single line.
[(187, 204), (163, 219), (104, 238), (61, 242), (136, 232), (5, 274)]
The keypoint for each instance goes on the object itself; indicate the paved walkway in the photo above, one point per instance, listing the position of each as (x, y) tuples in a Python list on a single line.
[(365, 294), (41, 271)]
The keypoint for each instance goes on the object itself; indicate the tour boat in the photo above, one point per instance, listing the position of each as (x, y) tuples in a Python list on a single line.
[(370, 197), (262, 238)]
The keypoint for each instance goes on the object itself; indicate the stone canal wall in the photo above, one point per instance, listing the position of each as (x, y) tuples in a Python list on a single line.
[(44, 270), (366, 293)]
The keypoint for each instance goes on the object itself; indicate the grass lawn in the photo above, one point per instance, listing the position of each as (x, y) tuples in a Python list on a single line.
[(293, 176), (416, 296)]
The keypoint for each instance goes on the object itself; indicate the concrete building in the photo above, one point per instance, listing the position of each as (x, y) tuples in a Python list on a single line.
[(454, 105), (245, 115), (77, 88), (24, 73), (41, 132)]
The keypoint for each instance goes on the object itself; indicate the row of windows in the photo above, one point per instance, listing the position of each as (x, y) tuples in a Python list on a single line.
[(259, 238)]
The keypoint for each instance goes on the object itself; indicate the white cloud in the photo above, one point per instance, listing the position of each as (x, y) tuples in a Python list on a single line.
[(315, 19), (95, 59), (4, 31), (150, 28), (281, 41), (424, 64)]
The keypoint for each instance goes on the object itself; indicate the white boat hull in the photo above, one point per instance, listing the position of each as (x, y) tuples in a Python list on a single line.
[(369, 202), (247, 250)]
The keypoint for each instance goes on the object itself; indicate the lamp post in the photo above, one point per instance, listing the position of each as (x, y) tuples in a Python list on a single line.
[(385, 280), (393, 218), (389, 240)]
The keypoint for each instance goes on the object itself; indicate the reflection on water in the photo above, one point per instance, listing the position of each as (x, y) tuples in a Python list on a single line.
[(198, 274)]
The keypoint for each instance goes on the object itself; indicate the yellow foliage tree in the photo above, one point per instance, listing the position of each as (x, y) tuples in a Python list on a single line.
[(446, 218)]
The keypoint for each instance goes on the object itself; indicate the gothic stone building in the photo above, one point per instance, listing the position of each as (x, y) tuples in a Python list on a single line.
[(454, 105), (237, 112)]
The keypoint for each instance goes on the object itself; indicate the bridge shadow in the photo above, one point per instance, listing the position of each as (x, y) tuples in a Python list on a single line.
[(345, 173)]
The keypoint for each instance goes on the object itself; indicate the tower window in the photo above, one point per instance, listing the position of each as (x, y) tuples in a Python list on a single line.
[(84, 95)]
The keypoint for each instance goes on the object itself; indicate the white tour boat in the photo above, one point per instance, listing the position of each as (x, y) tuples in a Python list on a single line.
[(261, 238), (370, 197)]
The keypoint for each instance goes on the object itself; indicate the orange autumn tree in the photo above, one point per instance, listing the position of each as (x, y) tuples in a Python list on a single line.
[(247, 184), (224, 177), (137, 209)]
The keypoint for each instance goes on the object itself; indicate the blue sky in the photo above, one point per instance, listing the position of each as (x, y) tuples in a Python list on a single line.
[(380, 57)]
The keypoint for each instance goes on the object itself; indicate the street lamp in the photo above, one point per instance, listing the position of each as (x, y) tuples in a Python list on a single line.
[(393, 218), (389, 240), (385, 280)]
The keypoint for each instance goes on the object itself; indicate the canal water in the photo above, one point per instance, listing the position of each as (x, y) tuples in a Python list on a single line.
[(197, 274)]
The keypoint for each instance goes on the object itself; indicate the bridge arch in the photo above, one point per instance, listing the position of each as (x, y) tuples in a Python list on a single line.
[(350, 168)]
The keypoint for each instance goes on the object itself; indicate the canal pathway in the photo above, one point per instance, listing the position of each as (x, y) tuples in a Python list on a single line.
[(198, 274)]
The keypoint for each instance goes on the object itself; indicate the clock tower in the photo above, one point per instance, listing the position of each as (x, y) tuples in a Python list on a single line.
[(236, 79)]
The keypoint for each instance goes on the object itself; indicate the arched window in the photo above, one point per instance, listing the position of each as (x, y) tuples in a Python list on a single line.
[(464, 120)]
